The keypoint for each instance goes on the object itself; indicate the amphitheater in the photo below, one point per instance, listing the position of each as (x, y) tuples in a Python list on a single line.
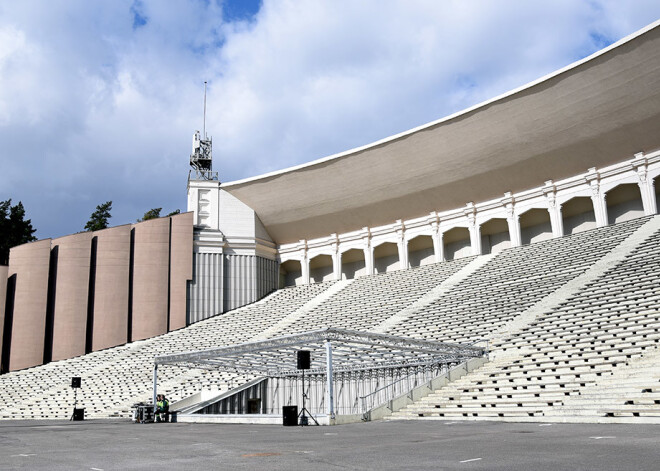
[(519, 238)]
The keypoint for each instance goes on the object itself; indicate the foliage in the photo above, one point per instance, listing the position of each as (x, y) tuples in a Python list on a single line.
[(155, 214), (99, 218), (14, 228)]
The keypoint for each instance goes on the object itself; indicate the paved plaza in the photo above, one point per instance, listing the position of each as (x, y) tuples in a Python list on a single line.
[(113, 445)]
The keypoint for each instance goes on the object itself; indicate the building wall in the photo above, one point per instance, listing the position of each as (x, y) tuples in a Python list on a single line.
[(30, 263), (111, 287), (151, 249), (180, 268), (71, 295), (4, 271), (90, 291)]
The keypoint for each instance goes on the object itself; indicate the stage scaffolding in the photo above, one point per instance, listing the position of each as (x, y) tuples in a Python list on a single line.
[(359, 368)]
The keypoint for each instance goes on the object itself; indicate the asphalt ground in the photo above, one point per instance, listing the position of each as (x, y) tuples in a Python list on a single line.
[(419, 445)]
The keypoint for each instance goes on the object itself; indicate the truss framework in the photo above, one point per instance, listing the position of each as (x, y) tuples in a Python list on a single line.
[(350, 350)]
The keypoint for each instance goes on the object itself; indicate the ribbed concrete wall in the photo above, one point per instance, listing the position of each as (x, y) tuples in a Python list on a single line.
[(181, 265), (30, 263), (248, 278), (223, 282), (151, 247), (205, 293), (71, 295), (3, 299), (110, 290)]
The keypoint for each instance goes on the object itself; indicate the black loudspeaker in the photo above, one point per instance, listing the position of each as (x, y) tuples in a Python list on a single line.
[(304, 359), (79, 414), (290, 415), (75, 382)]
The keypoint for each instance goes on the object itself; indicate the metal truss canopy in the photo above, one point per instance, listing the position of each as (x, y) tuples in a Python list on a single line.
[(350, 351)]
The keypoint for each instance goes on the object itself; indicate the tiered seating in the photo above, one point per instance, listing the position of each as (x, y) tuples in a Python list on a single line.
[(369, 300), (115, 378), (595, 341), (510, 283), (578, 362)]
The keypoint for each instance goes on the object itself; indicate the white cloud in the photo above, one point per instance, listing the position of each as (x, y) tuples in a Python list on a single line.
[(97, 103)]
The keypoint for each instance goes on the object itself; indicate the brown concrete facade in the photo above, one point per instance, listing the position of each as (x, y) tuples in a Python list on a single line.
[(111, 287), (4, 271), (151, 247), (90, 291), (71, 295), (30, 263), (181, 260)]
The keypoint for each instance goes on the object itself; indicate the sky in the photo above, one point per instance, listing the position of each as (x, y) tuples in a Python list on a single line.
[(99, 98)]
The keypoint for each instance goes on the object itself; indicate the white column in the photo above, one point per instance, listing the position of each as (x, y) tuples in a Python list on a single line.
[(368, 252), (512, 220), (474, 229), (336, 258), (402, 246), (645, 185), (304, 263), (336, 265), (554, 209), (436, 236), (597, 197)]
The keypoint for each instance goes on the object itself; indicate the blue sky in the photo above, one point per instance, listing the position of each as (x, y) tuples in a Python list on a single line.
[(99, 100)]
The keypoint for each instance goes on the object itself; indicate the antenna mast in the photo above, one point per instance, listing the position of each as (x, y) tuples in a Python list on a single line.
[(201, 158)]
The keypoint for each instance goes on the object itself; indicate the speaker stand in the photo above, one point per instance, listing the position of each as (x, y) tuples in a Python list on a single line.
[(301, 415), (75, 402)]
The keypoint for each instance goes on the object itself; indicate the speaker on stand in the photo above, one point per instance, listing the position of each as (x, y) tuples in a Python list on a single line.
[(303, 362), (78, 414)]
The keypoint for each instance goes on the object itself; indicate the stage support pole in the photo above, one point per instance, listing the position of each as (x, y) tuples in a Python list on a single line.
[(155, 386), (328, 366)]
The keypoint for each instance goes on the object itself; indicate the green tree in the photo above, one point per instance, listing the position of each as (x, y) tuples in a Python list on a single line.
[(175, 212), (99, 218), (14, 228), (151, 214)]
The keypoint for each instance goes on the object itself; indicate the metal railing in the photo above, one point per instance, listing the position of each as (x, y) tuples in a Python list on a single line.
[(209, 175)]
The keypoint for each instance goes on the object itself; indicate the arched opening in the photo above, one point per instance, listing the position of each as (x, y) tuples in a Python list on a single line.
[(290, 273), (535, 226), (457, 243), (320, 268), (656, 185), (624, 202), (420, 251), (495, 236), (578, 215), (386, 257), (352, 264)]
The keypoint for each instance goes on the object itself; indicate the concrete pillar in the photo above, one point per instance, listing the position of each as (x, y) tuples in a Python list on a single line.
[(304, 263), (336, 264), (512, 220), (597, 197), (474, 229), (368, 251), (554, 209), (438, 245), (402, 246), (645, 184)]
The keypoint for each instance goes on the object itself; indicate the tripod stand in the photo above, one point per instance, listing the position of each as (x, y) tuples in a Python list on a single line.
[(301, 415), (75, 403)]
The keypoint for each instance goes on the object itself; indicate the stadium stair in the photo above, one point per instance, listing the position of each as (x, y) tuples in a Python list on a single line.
[(587, 359), (573, 323)]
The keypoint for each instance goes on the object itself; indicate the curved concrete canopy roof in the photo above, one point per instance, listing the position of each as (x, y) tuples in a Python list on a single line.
[(593, 113)]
